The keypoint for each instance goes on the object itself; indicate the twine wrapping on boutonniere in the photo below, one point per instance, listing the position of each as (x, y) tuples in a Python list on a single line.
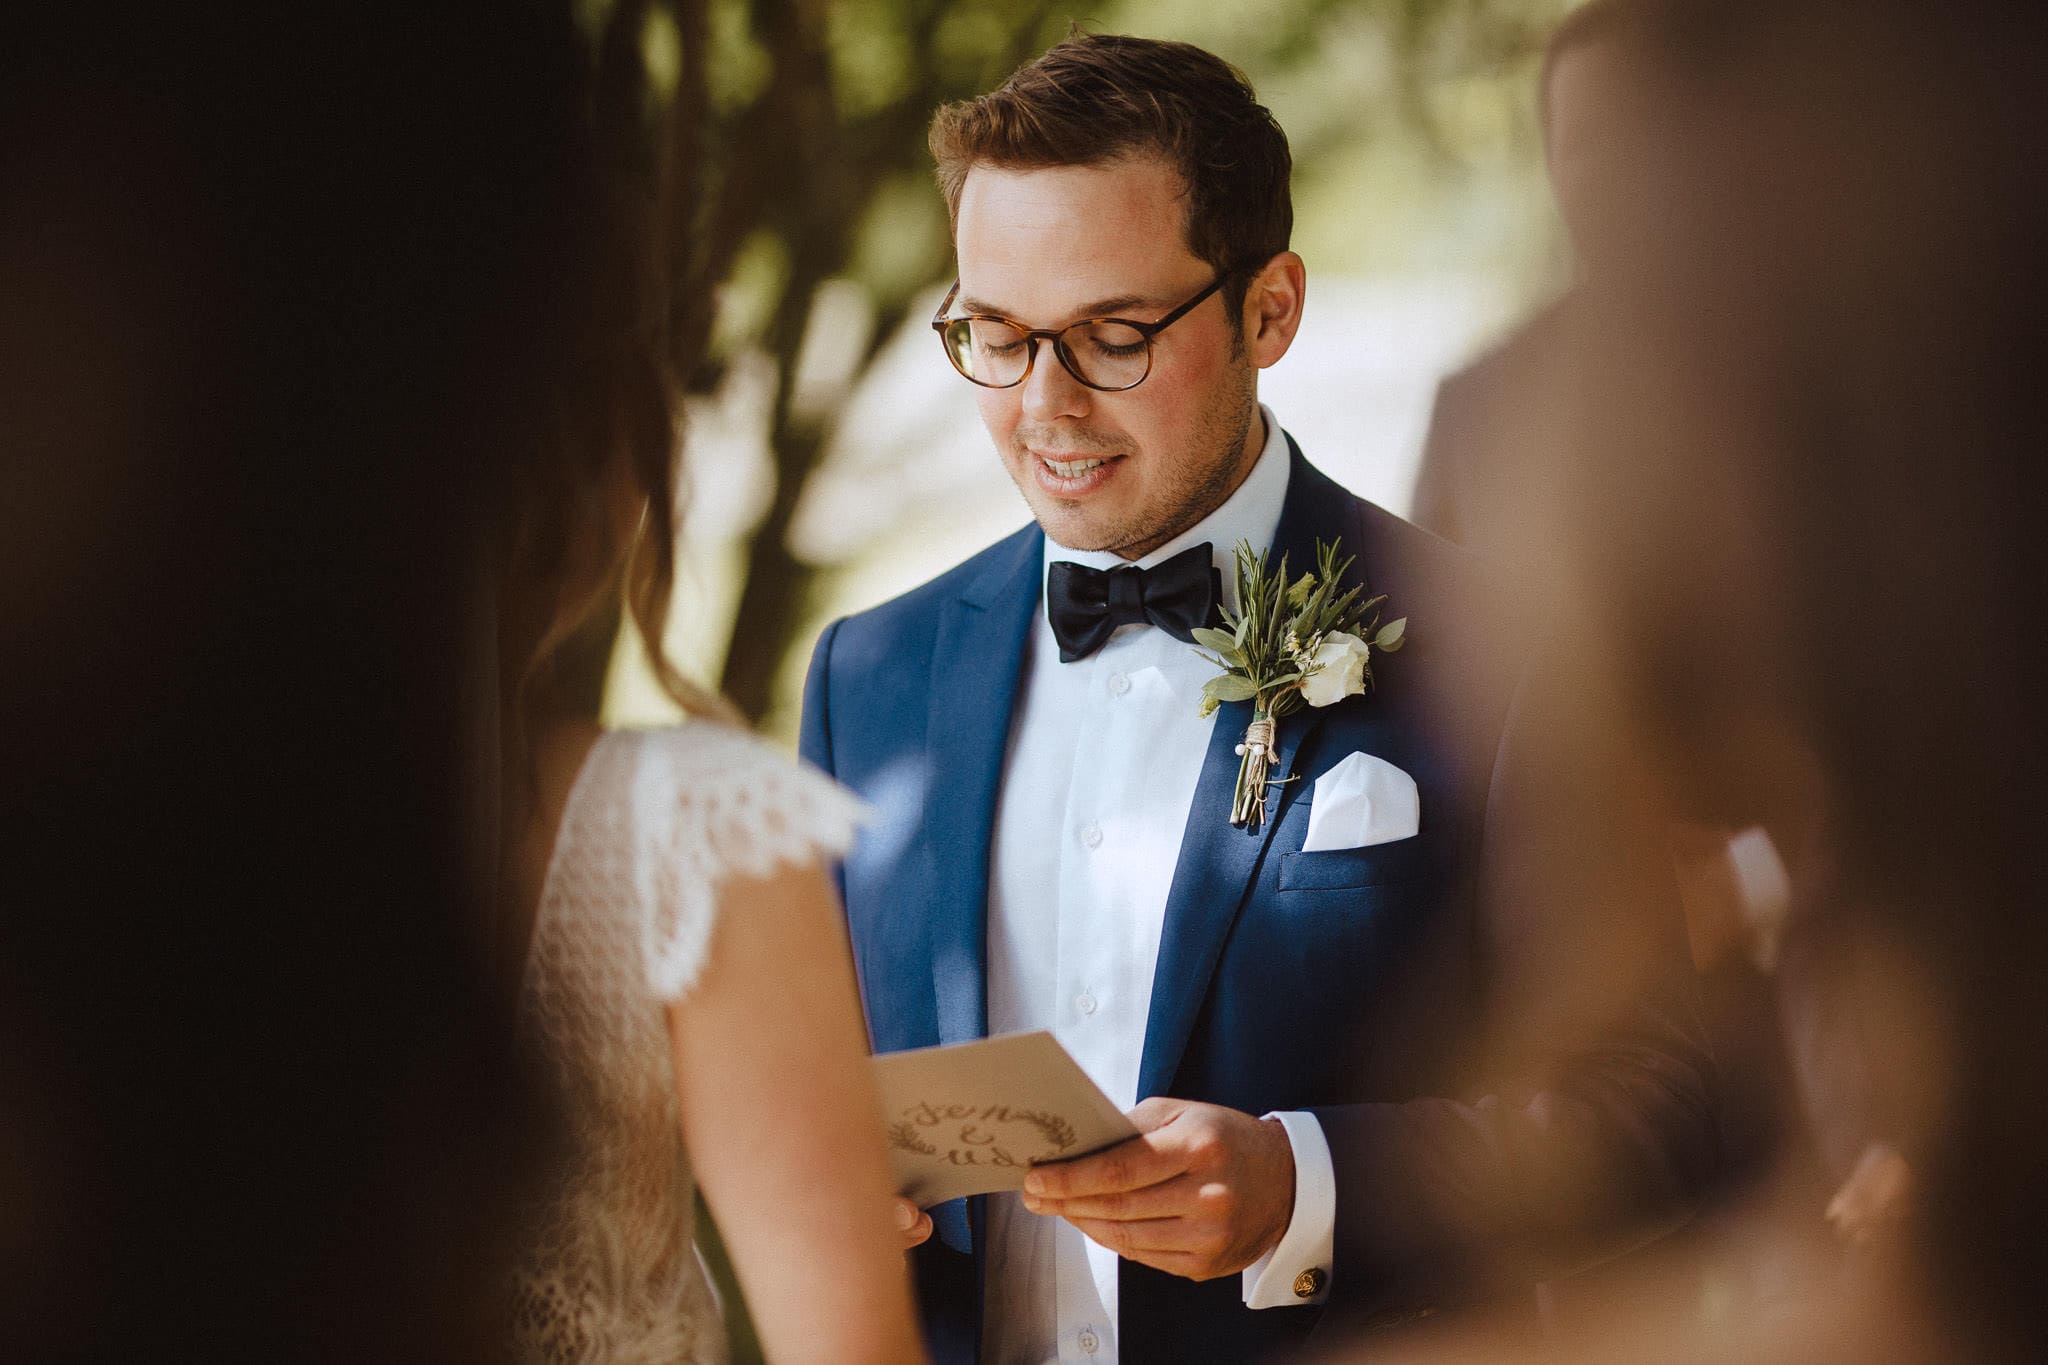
[(1308, 642)]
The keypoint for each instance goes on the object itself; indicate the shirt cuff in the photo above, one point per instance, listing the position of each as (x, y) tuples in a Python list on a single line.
[(1302, 1259)]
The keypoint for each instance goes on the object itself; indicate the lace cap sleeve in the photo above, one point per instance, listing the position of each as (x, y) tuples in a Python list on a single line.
[(710, 803)]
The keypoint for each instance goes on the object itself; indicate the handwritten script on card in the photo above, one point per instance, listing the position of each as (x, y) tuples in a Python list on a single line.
[(974, 1117)]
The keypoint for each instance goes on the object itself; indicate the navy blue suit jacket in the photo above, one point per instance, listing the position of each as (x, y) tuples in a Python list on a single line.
[(1351, 983)]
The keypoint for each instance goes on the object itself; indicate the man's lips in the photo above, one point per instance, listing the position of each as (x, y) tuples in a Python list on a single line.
[(1073, 475), (1073, 464), (1076, 466)]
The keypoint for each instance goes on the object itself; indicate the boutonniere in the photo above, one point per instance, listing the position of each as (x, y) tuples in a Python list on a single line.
[(1308, 642)]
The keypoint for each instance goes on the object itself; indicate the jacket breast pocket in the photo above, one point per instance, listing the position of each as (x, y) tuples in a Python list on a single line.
[(1344, 869)]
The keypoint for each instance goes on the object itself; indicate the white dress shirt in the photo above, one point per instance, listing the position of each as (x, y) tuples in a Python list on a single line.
[(1103, 760)]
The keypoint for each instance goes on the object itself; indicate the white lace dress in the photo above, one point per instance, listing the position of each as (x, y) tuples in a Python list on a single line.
[(655, 821)]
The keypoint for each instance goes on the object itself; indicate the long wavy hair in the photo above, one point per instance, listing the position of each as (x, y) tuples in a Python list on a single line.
[(589, 526)]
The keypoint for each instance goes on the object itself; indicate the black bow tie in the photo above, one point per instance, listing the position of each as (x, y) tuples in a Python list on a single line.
[(1085, 605)]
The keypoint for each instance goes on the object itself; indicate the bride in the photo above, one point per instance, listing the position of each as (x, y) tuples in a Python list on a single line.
[(685, 977)]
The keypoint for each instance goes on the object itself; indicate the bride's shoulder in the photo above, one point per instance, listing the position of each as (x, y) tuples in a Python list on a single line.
[(708, 803), (716, 769), (697, 743), (726, 800)]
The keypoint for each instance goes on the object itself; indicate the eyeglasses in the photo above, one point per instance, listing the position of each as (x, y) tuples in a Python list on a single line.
[(1106, 354)]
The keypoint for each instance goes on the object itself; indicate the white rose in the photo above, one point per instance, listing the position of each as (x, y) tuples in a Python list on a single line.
[(1337, 671)]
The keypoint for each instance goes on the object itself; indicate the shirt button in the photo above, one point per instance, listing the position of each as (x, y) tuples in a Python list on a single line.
[(1090, 1343), (1092, 836), (1119, 683), (1085, 1003)]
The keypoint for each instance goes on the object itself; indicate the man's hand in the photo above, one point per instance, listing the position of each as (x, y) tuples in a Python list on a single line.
[(1202, 1191), (913, 1222)]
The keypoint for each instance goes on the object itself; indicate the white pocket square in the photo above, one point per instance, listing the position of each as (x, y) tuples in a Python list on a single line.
[(1364, 800)]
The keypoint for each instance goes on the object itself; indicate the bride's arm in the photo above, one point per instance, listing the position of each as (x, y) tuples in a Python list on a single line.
[(783, 1130)]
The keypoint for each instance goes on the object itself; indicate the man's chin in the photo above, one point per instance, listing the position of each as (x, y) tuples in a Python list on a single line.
[(1068, 536), (1083, 525), (1066, 522), (1093, 538)]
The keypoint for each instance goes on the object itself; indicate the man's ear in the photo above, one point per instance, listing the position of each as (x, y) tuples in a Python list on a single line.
[(1272, 308)]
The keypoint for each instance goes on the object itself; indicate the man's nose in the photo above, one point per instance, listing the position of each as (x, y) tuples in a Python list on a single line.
[(1051, 391)]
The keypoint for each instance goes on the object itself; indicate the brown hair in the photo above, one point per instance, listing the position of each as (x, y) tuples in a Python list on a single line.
[(590, 514), (577, 547), (1097, 97)]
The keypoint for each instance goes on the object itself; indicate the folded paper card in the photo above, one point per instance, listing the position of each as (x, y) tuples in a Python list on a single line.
[(1363, 800), (973, 1117)]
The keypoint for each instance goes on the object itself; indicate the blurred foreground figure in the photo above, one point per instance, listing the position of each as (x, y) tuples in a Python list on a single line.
[(671, 933), (1801, 567), (1490, 472), (280, 287)]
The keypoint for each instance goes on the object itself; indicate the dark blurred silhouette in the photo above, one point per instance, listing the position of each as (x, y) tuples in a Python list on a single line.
[(1482, 480), (288, 291), (1491, 460), (1797, 552)]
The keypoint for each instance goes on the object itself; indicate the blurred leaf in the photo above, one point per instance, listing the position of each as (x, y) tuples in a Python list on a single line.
[(749, 295), (739, 66), (661, 48), (873, 65), (901, 235)]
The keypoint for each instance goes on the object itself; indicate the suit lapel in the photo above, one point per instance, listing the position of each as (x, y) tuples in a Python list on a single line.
[(1217, 859), (977, 659)]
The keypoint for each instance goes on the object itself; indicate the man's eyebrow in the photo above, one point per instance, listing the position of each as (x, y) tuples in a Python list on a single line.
[(1100, 308)]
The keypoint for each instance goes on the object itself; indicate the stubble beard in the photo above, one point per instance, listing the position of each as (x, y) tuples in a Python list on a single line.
[(1196, 486)]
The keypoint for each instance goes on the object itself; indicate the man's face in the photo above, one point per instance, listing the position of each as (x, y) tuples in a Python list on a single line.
[(1126, 471)]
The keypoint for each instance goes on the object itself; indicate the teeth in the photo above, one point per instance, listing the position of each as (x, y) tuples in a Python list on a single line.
[(1071, 469)]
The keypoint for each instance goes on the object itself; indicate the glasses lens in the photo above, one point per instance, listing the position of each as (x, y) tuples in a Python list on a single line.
[(1108, 355), (988, 351)]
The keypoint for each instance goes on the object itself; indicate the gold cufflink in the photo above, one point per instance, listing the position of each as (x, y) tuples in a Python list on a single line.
[(1308, 1284)]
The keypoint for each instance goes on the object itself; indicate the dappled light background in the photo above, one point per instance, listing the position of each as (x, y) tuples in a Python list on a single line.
[(835, 460)]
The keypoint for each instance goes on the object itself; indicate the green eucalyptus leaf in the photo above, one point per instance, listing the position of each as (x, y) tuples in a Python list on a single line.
[(1392, 635), (1230, 687), (1220, 641)]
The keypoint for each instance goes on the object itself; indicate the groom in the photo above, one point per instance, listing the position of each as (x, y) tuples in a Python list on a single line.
[(1053, 847)]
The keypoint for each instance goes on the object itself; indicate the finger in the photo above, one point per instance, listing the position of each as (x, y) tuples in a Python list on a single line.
[(912, 1222), (1155, 1113), (1171, 1198), (1130, 1165), (1178, 1246), (1181, 1263), (1139, 1240), (1188, 1267)]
